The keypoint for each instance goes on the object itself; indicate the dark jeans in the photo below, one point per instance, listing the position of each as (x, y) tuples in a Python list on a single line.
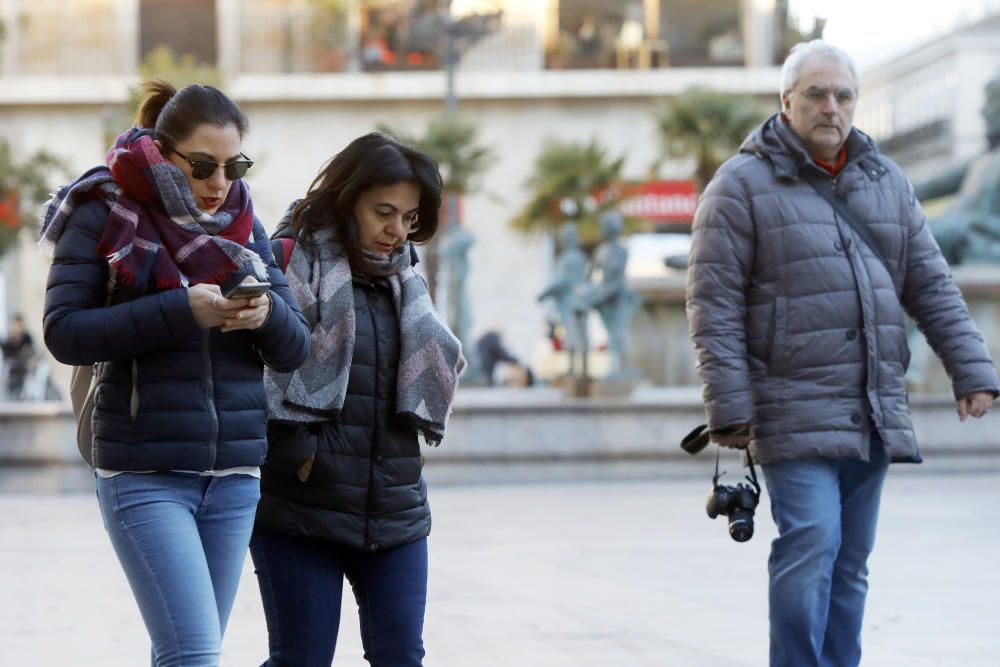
[(301, 583)]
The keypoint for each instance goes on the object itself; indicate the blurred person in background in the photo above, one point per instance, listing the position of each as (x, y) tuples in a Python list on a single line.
[(493, 353), (809, 250), (343, 494), (180, 413), (18, 350)]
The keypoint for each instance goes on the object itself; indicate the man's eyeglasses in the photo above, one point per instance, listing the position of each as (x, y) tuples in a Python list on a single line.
[(202, 170)]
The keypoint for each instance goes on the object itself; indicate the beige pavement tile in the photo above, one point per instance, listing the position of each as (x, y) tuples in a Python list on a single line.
[(558, 574)]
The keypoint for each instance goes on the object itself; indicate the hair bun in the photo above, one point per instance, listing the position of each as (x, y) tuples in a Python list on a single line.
[(155, 95)]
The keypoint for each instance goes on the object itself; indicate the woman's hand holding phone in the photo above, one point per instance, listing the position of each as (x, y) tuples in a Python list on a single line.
[(247, 306)]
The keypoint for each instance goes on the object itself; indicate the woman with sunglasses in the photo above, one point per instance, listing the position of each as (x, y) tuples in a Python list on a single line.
[(343, 494), (179, 420)]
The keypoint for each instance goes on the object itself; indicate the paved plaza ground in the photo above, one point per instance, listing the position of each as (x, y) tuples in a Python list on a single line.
[(612, 573)]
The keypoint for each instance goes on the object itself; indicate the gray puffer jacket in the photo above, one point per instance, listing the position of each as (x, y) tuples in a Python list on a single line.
[(799, 327)]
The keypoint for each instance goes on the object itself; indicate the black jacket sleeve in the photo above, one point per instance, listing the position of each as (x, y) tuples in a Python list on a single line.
[(78, 328)]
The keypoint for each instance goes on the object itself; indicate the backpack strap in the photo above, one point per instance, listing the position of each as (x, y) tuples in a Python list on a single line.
[(112, 283), (282, 249)]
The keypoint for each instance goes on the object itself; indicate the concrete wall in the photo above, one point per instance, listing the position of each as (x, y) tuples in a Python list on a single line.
[(524, 426)]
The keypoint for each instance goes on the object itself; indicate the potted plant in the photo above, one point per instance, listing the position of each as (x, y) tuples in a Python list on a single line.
[(24, 186), (328, 35)]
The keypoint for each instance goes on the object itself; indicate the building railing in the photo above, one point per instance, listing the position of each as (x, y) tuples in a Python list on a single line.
[(66, 39), (292, 39), (79, 38), (300, 39)]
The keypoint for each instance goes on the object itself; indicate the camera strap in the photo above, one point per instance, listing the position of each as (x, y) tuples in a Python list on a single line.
[(826, 191), (753, 473)]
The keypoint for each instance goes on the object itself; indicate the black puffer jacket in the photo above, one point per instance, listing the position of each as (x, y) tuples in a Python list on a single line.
[(365, 490), (173, 396)]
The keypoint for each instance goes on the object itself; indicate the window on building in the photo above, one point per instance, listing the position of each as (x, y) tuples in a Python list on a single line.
[(599, 34), (401, 34), (374, 35), (186, 27), (703, 33)]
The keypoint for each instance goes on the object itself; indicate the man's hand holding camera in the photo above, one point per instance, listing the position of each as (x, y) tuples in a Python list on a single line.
[(733, 437)]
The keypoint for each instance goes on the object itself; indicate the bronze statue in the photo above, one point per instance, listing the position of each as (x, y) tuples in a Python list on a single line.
[(969, 230), (565, 291), (609, 294)]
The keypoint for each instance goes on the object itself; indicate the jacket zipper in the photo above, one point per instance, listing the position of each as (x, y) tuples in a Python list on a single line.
[(876, 412), (133, 404), (210, 392), (375, 435)]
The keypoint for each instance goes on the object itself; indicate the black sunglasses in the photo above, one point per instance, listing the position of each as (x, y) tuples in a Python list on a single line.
[(203, 169)]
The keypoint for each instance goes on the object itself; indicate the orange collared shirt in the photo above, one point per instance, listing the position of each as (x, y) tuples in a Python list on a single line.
[(835, 168)]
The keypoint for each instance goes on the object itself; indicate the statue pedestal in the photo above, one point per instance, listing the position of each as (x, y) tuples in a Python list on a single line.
[(609, 387), (620, 386), (573, 387)]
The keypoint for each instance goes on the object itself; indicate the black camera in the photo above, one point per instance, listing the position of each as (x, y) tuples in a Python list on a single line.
[(737, 502)]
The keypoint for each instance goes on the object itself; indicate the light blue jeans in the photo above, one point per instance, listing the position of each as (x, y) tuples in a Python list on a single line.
[(182, 541), (826, 511)]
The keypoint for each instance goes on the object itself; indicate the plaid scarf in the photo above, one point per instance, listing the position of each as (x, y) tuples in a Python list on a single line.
[(154, 227), (430, 356)]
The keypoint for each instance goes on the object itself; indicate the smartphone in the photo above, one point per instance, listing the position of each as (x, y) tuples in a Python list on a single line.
[(246, 290)]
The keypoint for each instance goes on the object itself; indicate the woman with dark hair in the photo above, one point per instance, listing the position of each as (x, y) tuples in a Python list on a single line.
[(342, 489), (144, 250)]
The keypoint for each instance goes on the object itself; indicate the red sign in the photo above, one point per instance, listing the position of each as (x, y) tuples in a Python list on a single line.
[(661, 201), (8, 210)]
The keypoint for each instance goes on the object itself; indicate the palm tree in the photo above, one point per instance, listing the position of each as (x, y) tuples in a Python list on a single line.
[(453, 143), (24, 185), (707, 126), (571, 180)]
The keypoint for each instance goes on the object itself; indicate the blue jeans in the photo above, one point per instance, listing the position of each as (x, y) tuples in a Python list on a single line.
[(182, 541), (826, 511), (301, 583)]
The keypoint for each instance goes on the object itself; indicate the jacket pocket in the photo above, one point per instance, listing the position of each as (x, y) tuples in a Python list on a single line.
[(779, 332), (290, 445)]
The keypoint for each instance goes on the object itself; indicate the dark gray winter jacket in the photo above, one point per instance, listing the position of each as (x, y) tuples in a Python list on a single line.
[(797, 324)]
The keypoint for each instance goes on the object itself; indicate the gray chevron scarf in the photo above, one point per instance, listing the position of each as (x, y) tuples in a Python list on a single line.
[(430, 356)]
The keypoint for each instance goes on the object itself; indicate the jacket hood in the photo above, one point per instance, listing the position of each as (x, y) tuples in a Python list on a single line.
[(284, 228), (775, 141)]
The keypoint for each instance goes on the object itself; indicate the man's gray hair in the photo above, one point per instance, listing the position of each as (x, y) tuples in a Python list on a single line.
[(817, 48)]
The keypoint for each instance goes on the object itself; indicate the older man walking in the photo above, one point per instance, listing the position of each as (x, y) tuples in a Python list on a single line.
[(809, 250)]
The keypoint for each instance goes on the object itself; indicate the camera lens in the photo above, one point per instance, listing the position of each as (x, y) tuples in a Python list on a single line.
[(741, 525)]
